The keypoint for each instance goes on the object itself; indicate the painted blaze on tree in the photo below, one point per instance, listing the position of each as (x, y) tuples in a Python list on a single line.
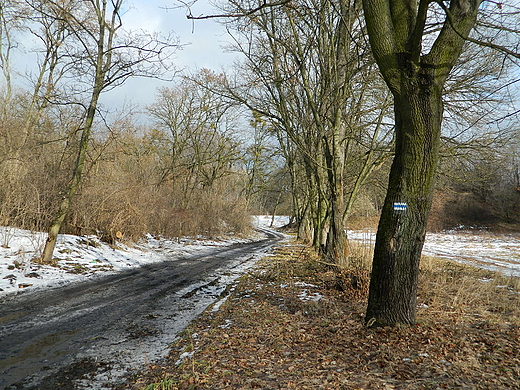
[(416, 80)]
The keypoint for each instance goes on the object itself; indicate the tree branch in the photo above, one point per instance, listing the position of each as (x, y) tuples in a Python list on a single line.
[(265, 4), (472, 40), (416, 37), (383, 40), (448, 45)]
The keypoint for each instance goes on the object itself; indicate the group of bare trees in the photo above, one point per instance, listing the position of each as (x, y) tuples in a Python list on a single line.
[(331, 97), (177, 174), (308, 72), (68, 165), (347, 84)]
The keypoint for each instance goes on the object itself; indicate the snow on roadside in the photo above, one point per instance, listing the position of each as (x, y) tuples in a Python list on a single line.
[(81, 257), (265, 221), (494, 252)]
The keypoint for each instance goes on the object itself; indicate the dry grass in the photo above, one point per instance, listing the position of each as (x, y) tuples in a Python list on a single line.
[(463, 292), (270, 334)]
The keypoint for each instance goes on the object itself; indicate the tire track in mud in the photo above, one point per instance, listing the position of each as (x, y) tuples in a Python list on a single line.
[(90, 335)]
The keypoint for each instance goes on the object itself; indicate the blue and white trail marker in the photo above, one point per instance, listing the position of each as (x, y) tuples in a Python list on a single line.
[(400, 206)]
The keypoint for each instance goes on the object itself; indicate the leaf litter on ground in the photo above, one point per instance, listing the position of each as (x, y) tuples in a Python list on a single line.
[(263, 335)]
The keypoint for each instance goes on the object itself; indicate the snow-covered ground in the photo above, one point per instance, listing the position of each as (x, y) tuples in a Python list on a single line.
[(495, 252), (81, 257)]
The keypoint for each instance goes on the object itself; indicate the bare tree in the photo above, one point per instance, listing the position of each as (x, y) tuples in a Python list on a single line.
[(197, 135), (104, 56), (9, 24), (308, 72)]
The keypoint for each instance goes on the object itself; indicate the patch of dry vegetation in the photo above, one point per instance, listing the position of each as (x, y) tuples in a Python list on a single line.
[(296, 324)]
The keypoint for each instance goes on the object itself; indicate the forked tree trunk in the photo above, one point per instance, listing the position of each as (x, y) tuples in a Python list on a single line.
[(402, 227), (416, 80)]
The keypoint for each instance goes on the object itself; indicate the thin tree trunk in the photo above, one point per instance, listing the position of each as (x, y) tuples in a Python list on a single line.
[(74, 183), (275, 208), (305, 227), (336, 245)]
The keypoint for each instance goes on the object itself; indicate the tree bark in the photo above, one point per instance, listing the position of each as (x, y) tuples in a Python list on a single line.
[(401, 232), (74, 183), (336, 244)]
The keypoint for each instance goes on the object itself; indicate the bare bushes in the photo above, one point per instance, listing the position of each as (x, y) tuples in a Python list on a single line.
[(107, 212), (126, 196), (127, 190), (181, 175), (32, 173), (114, 203), (221, 210)]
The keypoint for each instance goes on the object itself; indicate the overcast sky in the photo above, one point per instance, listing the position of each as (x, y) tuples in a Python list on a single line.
[(203, 39)]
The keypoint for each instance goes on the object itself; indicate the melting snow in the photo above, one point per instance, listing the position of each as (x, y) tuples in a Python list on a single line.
[(81, 257), (494, 252), (183, 356), (306, 296)]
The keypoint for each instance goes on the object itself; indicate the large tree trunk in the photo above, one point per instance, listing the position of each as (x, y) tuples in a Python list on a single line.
[(402, 227), (416, 81)]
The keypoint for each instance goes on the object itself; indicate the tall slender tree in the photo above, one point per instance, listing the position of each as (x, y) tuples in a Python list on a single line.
[(108, 56)]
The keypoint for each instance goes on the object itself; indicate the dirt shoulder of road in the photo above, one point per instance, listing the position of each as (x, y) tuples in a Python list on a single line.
[(293, 323)]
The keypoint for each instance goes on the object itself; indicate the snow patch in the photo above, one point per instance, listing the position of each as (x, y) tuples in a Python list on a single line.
[(183, 356), (82, 257), (494, 252), (265, 220), (305, 296)]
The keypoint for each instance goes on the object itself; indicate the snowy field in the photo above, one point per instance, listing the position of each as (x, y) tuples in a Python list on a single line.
[(81, 257), (494, 252)]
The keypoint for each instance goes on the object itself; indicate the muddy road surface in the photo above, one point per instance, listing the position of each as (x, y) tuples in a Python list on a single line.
[(91, 335)]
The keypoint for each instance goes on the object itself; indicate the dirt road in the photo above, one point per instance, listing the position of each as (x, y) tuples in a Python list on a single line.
[(90, 335)]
